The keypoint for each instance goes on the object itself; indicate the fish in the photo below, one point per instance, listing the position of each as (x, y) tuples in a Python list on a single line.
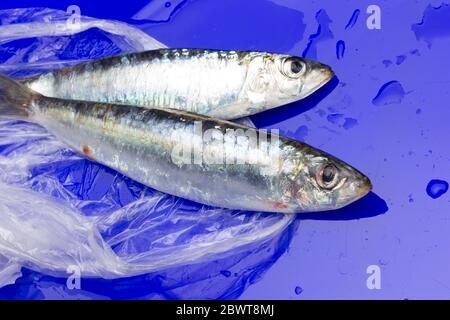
[(220, 84), (203, 159)]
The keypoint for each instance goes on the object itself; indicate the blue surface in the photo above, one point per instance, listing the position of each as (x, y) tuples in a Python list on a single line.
[(385, 113)]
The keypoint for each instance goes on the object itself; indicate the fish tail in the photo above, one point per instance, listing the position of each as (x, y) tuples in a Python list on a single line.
[(15, 98)]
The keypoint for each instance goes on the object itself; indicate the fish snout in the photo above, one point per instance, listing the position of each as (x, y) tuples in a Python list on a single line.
[(367, 186), (325, 71), (363, 187), (318, 75)]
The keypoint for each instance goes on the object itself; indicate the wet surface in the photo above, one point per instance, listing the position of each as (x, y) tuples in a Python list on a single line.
[(385, 113)]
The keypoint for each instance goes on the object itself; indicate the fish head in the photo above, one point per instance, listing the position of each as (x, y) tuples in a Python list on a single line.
[(276, 79), (323, 182)]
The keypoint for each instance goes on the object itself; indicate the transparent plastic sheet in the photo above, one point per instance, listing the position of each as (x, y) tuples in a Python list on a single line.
[(60, 210), (61, 39)]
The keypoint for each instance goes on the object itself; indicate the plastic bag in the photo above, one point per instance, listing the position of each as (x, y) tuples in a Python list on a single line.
[(60, 210), (45, 39)]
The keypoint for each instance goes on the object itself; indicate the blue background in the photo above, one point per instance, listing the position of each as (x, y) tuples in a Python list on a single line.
[(386, 113)]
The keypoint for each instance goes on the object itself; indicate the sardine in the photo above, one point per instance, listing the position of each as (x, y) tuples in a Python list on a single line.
[(220, 84), (277, 174)]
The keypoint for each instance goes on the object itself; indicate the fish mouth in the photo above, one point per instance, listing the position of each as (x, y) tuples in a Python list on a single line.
[(363, 188), (359, 186), (327, 73), (368, 186), (323, 74)]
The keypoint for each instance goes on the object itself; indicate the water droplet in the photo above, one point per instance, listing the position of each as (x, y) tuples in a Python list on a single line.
[(418, 111), (387, 63), (321, 112), (437, 188), (349, 123), (226, 273), (168, 4), (298, 290), (400, 59), (301, 133), (382, 262), (340, 49), (390, 93), (353, 19), (334, 117)]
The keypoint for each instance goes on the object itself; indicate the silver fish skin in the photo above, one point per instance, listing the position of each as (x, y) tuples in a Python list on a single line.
[(144, 144), (220, 84)]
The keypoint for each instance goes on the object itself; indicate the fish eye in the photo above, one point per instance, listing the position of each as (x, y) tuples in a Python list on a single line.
[(293, 68), (328, 176)]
